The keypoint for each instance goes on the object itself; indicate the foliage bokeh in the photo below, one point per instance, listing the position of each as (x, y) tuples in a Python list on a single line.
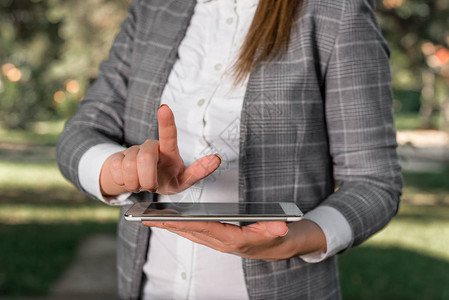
[(417, 32), (50, 51)]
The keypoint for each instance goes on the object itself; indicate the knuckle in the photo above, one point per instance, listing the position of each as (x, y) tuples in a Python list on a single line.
[(131, 187), (149, 187), (116, 164), (118, 180), (144, 158), (150, 142), (129, 165)]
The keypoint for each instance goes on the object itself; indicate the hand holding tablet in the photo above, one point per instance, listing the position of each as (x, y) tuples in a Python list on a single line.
[(265, 238)]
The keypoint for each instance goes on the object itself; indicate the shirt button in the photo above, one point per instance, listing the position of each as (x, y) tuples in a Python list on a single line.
[(183, 275), (229, 20), (200, 102), (218, 67)]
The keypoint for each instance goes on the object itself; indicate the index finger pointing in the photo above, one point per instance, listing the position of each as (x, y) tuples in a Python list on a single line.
[(168, 141)]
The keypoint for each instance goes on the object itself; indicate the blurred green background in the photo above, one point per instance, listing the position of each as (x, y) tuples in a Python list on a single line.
[(49, 55)]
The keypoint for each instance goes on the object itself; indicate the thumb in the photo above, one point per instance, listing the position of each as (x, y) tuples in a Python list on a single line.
[(200, 169)]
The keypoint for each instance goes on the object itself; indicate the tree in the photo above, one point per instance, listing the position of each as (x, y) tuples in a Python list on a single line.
[(418, 34), (49, 51)]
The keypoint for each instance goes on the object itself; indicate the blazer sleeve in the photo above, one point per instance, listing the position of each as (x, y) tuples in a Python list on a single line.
[(99, 118), (359, 116)]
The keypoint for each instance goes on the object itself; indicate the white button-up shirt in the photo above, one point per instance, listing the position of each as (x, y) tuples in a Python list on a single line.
[(207, 110)]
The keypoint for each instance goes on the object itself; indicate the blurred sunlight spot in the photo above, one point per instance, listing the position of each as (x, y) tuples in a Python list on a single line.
[(14, 75), (59, 97), (46, 127), (423, 138), (404, 77), (433, 61), (72, 86), (428, 48), (11, 72), (6, 67), (442, 55), (389, 4)]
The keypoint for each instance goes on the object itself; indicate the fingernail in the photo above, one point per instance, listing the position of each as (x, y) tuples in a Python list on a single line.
[(219, 157), (163, 105)]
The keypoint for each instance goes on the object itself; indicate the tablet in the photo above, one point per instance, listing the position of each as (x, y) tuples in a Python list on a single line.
[(214, 211)]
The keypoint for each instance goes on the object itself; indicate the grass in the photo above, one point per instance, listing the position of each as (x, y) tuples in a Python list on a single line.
[(424, 229), (34, 255), (406, 121), (426, 182), (409, 259), (42, 217), (412, 121), (31, 175), (57, 213), (35, 182), (392, 273), (42, 220), (41, 133)]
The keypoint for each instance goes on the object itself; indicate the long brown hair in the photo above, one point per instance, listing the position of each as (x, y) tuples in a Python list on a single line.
[(268, 34)]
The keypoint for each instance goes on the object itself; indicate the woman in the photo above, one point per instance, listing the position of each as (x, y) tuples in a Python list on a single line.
[(294, 96)]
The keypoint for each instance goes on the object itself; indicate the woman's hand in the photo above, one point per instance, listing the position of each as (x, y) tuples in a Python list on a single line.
[(263, 240), (154, 166)]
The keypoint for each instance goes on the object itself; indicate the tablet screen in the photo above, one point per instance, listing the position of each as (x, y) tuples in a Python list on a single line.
[(207, 209)]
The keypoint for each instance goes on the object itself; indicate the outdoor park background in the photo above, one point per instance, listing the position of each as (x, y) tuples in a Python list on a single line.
[(49, 54)]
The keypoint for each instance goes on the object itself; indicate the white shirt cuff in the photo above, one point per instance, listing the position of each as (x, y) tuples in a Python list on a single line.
[(336, 229), (89, 170)]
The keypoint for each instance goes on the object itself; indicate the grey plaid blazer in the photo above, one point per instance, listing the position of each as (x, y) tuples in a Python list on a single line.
[(320, 114)]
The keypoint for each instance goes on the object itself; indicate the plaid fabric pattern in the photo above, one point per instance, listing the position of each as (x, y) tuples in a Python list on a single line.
[(319, 114)]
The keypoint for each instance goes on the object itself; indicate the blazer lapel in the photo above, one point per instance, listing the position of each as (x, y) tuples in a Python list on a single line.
[(158, 50)]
